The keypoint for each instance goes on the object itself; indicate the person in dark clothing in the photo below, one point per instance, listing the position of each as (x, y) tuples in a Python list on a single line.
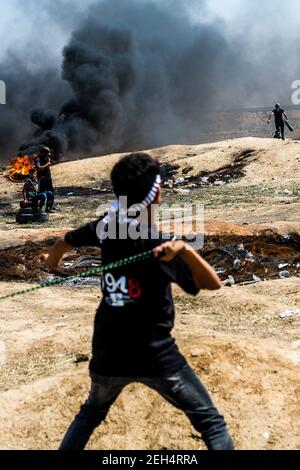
[(132, 339), (43, 163), (278, 114), (31, 194)]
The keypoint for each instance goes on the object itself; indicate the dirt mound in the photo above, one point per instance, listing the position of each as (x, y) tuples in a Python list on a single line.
[(267, 256), (254, 258), (259, 160), (22, 263)]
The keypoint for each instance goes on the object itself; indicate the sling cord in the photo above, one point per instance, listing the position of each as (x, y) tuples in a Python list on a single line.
[(88, 273)]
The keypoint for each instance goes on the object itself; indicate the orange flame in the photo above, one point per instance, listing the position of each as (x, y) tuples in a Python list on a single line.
[(21, 168)]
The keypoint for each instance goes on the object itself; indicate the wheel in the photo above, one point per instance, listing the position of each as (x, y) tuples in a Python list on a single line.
[(26, 210), (43, 217), (24, 218)]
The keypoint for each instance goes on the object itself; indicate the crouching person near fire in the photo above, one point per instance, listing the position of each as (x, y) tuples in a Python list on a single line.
[(32, 196), (132, 339)]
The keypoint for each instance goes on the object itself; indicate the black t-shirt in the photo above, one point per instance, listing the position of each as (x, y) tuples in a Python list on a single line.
[(132, 329), (41, 161), (278, 113)]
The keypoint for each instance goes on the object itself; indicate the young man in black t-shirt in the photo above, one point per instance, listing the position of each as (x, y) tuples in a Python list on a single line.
[(132, 339)]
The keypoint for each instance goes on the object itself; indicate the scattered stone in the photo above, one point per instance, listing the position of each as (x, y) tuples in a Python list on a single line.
[(167, 170), (237, 264), (283, 274), (182, 191), (290, 313), (79, 357), (285, 192), (283, 265), (229, 281), (179, 181)]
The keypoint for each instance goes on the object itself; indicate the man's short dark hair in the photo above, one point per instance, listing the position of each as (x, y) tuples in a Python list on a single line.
[(134, 175), (45, 150)]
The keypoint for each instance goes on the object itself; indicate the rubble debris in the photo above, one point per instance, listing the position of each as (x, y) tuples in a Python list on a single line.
[(167, 170), (182, 191), (229, 173), (179, 181), (79, 357), (75, 191), (22, 262), (256, 259), (229, 281), (289, 313), (259, 257), (255, 280), (84, 261), (285, 192), (283, 274), (237, 263), (283, 265), (220, 177)]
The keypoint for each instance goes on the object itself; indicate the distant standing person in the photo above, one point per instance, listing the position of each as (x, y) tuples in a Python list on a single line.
[(279, 114), (43, 164)]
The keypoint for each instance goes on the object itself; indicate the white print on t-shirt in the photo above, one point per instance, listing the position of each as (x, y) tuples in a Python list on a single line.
[(121, 291), (112, 285)]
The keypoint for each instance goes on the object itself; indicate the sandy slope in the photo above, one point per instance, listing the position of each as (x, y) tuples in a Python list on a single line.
[(276, 159), (245, 354)]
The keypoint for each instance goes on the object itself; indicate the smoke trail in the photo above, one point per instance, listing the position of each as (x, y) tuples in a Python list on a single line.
[(133, 82)]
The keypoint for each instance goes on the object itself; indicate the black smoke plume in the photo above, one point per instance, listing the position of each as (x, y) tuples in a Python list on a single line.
[(140, 73)]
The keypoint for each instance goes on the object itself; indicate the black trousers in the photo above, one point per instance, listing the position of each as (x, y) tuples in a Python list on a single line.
[(46, 184), (182, 389), (280, 129)]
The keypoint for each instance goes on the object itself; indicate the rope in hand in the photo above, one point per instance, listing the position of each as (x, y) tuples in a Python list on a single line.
[(88, 273)]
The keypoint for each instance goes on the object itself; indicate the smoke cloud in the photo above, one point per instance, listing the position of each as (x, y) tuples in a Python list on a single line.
[(141, 73)]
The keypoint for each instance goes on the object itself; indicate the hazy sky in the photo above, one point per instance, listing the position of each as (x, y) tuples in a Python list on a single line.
[(246, 54), (51, 22)]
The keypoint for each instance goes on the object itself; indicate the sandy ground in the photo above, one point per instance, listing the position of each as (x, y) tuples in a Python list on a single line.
[(244, 352), (233, 338)]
